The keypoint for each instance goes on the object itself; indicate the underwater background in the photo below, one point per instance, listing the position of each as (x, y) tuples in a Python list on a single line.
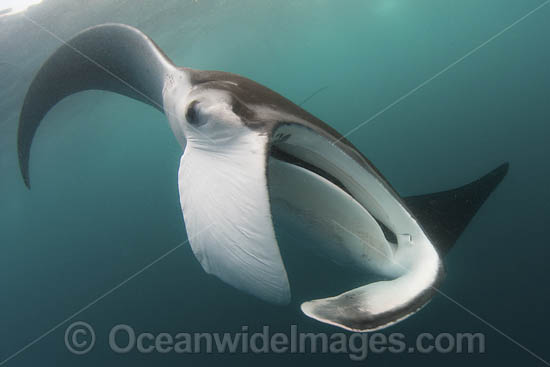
[(104, 202)]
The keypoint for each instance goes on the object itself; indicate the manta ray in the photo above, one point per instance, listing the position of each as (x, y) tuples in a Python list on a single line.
[(246, 150)]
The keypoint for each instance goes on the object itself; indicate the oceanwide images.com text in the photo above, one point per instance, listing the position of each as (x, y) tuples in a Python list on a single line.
[(80, 338)]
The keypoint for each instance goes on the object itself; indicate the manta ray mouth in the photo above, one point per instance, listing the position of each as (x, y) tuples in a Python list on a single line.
[(279, 154)]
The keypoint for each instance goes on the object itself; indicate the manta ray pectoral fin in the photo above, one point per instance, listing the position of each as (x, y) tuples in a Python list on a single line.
[(226, 208), (444, 215), (111, 57)]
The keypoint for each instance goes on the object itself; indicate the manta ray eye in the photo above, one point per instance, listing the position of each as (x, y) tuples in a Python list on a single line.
[(192, 114)]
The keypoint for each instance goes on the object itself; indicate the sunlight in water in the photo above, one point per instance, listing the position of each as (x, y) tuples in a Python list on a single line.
[(9, 7)]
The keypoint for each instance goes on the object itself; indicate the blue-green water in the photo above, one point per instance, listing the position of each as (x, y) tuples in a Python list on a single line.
[(104, 202)]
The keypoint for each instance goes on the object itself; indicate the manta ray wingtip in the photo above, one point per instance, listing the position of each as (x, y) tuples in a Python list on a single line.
[(502, 170), (111, 57)]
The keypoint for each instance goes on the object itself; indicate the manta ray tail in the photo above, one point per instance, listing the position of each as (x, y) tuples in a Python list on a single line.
[(111, 57)]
